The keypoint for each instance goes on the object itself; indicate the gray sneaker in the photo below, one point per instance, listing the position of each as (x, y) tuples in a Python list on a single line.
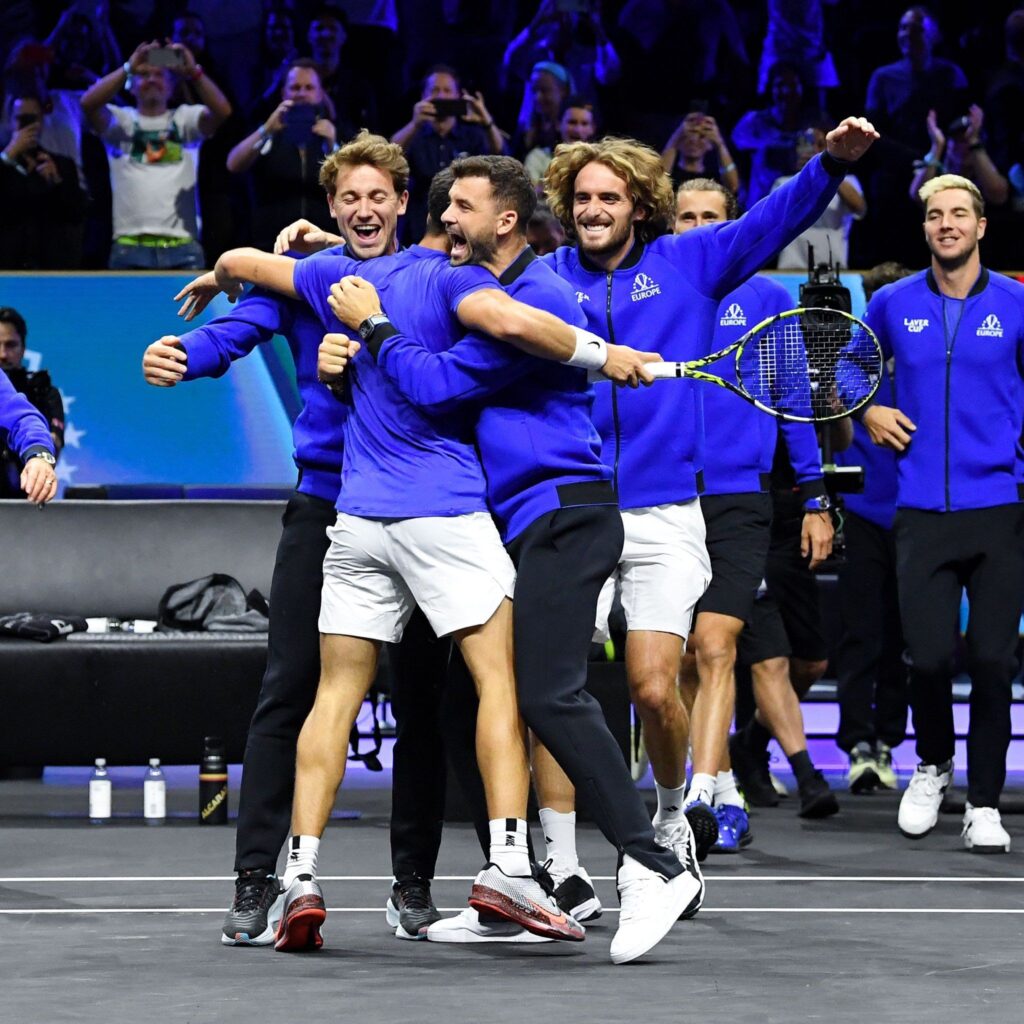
[(251, 921), (303, 913)]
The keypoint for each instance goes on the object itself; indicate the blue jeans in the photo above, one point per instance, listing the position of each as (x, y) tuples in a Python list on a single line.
[(149, 257)]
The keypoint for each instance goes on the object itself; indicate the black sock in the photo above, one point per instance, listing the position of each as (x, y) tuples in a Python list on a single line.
[(802, 765), (755, 736)]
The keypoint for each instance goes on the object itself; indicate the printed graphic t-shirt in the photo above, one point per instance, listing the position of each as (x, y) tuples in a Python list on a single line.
[(153, 163)]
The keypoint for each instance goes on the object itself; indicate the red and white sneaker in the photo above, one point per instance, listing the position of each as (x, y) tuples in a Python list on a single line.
[(303, 914), (524, 901)]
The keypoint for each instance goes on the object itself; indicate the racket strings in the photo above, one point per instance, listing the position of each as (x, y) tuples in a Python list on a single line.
[(812, 366)]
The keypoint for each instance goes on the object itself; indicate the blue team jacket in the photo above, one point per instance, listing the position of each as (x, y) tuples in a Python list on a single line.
[(318, 430), (740, 438), (27, 431), (664, 297), (960, 379), (537, 442)]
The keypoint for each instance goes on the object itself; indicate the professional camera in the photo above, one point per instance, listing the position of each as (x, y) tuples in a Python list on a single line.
[(35, 385), (824, 290)]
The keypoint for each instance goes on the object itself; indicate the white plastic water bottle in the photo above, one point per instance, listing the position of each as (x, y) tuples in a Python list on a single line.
[(154, 794), (99, 793)]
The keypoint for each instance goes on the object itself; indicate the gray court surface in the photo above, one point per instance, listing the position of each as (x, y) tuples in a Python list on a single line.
[(840, 920)]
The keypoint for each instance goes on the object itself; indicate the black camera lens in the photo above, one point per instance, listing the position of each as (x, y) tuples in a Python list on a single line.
[(958, 127)]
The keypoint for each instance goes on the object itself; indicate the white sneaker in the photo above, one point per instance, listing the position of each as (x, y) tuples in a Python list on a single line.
[(919, 807), (649, 906), (467, 927), (983, 831), (574, 892), (677, 836)]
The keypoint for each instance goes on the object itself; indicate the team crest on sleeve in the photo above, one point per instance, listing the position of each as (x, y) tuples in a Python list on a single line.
[(644, 286), (990, 327), (915, 326), (733, 316)]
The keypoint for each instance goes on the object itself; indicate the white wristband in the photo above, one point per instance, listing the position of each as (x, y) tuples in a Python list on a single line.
[(591, 351)]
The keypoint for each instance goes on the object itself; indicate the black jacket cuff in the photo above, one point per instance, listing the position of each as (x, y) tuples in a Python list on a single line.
[(381, 333), (836, 168), (812, 489)]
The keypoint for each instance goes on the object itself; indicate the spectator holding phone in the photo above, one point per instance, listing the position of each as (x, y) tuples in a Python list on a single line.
[(42, 206), (447, 122), (151, 151), (284, 155), (697, 150)]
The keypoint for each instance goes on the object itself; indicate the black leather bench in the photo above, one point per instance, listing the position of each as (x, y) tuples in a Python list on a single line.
[(122, 696)]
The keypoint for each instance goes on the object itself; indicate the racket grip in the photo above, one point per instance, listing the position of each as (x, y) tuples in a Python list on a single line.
[(661, 371)]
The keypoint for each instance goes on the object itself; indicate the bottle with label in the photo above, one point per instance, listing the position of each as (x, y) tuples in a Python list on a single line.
[(100, 793), (213, 783), (154, 794)]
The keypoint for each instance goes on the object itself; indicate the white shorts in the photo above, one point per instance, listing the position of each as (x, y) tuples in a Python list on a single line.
[(663, 572), (376, 572)]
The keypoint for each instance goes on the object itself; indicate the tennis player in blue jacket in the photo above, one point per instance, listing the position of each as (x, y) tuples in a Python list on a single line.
[(29, 438), (638, 285), (956, 332)]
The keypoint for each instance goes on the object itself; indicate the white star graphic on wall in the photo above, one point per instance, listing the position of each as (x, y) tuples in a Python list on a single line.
[(67, 400), (73, 436), (65, 470)]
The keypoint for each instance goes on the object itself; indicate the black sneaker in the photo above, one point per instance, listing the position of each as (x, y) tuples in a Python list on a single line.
[(751, 770), (575, 895), (247, 922), (705, 827), (411, 909), (816, 799)]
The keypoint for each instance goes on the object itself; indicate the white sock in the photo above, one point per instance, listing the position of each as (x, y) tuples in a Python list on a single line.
[(302, 855), (702, 788), (560, 839), (670, 802), (508, 845), (726, 791)]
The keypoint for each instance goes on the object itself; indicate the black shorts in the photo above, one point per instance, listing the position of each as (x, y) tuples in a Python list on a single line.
[(786, 621), (738, 536)]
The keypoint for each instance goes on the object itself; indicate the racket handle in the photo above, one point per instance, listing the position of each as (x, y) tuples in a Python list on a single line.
[(661, 371)]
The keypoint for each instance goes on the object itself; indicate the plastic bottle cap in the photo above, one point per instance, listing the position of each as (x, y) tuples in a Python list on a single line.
[(154, 762), (101, 762)]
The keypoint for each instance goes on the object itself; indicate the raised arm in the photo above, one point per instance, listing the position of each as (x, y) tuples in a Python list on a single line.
[(734, 250), (235, 269)]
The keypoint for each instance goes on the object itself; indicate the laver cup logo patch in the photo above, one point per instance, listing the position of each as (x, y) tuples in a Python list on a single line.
[(915, 326), (733, 316), (644, 286), (990, 327)]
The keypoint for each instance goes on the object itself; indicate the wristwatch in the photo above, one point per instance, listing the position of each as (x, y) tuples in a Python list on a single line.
[(371, 323), (45, 456), (819, 504)]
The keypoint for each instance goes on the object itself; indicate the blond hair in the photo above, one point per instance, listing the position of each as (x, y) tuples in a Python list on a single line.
[(369, 150), (637, 164), (947, 181)]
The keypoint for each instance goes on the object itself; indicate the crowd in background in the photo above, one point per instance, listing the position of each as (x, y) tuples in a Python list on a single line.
[(246, 98)]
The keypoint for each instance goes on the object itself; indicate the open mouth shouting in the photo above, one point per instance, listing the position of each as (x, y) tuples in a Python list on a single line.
[(460, 251)]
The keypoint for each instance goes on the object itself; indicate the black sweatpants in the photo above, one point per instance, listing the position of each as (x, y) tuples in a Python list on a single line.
[(287, 694), (872, 683), (938, 553), (562, 560)]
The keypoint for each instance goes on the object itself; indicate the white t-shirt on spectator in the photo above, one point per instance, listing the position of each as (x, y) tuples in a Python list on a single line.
[(833, 226), (153, 163)]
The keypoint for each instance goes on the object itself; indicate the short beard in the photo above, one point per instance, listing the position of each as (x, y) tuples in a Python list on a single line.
[(479, 253), (952, 263), (614, 243)]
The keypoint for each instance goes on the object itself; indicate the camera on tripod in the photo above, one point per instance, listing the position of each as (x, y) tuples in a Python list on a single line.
[(823, 289)]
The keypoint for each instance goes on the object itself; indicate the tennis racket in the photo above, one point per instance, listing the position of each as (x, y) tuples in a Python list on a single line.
[(807, 365)]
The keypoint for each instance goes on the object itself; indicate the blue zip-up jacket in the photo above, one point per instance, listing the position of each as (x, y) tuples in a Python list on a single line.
[(318, 430), (741, 438), (537, 441), (25, 426), (960, 379), (877, 502), (663, 297), (400, 463)]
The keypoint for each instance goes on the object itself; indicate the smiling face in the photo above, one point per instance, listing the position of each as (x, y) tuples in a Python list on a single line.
[(472, 221), (952, 228), (367, 209), (603, 212), (695, 209), (577, 124)]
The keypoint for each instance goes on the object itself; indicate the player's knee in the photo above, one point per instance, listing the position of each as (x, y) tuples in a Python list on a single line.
[(717, 652), (654, 692)]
